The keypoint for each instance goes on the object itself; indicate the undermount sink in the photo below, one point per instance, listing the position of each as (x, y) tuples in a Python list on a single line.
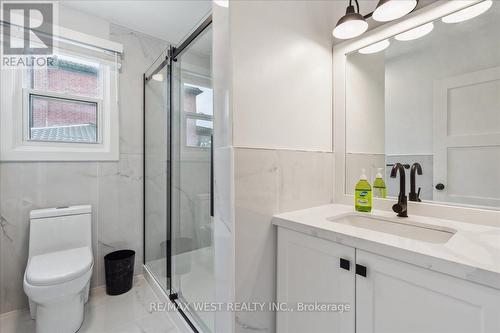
[(407, 228)]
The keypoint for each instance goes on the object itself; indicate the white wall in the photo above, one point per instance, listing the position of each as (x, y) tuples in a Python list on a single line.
[(273, 84), (365, 111), (282, 80), (82, 22)]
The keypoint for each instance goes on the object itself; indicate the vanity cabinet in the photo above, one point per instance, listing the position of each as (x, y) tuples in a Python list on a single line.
[(397, 297), (309, 271), (386, 295)]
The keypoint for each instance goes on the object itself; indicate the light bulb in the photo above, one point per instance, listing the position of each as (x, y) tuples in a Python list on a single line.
[(374, 48), (388, 10), (350, 29), (415, 32), (350, 25), (468, 13)]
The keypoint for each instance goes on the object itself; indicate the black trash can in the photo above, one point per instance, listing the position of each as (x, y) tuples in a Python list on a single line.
[(119, 268)]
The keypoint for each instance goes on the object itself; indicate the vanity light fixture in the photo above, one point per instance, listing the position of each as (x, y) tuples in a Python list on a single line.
[(374, 48), (415, 32), (468, 13), (352, 24), (388, 10)]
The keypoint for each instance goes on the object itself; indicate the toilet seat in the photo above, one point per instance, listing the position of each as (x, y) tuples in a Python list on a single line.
[(58, 267)]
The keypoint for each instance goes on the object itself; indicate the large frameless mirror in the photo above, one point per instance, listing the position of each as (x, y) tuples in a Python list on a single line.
[(430, 95)]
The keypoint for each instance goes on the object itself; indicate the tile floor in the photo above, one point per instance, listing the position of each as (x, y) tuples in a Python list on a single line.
[(196, 283), (127, 313)]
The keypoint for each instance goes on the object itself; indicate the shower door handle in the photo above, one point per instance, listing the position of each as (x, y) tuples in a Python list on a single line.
[(212, 175)]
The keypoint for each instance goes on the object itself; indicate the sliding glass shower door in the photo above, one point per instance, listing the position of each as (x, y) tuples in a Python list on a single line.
[(192, 229), (178, 191), (156, 173)]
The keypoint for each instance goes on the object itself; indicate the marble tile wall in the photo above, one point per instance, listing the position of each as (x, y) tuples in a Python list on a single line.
[(268, 182), (32, 185), (114, 189)]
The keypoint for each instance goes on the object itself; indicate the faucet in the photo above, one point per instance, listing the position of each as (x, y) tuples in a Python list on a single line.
[(414, 196), (401, 206)]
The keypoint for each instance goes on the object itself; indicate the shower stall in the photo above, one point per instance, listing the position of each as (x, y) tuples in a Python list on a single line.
[(178, 174)]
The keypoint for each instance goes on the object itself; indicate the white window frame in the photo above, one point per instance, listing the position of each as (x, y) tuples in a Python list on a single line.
[(15, 144), (28, 92)]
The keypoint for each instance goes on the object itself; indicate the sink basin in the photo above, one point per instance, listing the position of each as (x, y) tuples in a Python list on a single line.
[(407, 228)]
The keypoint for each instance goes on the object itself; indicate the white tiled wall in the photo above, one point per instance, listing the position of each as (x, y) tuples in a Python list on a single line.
[(273, 116), (114, 189), (268, 182)]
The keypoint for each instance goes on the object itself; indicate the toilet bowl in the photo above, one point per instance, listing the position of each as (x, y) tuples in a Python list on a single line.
[(59, 268)]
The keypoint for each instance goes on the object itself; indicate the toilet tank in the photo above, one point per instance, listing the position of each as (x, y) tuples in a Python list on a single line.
[(57, 229)]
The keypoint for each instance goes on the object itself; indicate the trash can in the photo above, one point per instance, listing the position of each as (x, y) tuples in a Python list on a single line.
[(119, 268)]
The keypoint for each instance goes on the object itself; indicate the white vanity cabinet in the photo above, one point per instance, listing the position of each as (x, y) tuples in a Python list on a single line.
[(397, 297), (309, 271), (393, 297)]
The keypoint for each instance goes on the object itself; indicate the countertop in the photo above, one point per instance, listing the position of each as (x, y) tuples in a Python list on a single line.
[(472, 253)]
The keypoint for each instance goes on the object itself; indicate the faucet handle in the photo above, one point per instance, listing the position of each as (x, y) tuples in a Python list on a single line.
[(418, 194)]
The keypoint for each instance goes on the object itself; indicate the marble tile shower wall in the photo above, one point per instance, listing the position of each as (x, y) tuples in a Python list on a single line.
[(114, 189), (268, 182)]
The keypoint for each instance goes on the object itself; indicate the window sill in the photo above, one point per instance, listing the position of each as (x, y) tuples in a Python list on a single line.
[(59, 152)]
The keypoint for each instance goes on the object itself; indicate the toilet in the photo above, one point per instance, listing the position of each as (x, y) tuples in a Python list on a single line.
[(60, 263)]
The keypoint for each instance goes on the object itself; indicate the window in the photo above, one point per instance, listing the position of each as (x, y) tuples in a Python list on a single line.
[(198, 114), (64, 100), (64, 111)]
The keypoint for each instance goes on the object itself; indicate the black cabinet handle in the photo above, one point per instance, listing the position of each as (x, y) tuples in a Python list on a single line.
[(345, 264), (361, 270), (439, 187)]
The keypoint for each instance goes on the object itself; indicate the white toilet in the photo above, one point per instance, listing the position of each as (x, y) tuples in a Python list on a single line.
[(60, 263)]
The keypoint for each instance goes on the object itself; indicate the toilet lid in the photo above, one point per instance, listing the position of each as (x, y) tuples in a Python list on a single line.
[(58, 267)]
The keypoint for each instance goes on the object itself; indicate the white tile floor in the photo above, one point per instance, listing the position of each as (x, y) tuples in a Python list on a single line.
[(127, 313), (196, 283)]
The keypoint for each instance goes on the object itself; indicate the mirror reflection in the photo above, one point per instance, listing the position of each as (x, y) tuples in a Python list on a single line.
[(429, 96)]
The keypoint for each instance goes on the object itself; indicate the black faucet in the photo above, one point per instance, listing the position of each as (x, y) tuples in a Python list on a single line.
[(414, 196), (401, 206)]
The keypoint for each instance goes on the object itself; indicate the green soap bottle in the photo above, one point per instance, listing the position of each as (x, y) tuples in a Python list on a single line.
[(363, 194), (379, 189)]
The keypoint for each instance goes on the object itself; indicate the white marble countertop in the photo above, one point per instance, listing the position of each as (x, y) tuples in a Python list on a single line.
[(472, 253)]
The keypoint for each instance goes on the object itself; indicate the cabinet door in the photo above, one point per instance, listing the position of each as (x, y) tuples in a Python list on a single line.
[(309, 271), (396, 297)]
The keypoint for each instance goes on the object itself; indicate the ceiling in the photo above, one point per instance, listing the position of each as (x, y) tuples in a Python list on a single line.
[(170, 20)]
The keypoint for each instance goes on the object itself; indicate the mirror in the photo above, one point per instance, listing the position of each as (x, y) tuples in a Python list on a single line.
[(434, 100)]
